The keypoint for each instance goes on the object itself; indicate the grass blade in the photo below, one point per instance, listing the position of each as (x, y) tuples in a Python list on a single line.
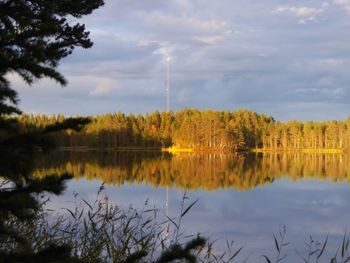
[(266, 258), (188, 208), (323, 247), (276, 243), (236, 253)]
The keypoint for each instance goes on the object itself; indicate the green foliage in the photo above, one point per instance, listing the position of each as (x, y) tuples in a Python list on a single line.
[(34, 36), (187, 128), (201, 130), (19, 190)]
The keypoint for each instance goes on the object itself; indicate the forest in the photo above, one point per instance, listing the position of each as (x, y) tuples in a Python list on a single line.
[(199, 130)]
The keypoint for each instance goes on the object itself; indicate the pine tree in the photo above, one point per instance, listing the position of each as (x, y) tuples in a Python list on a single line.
[(34, 36)]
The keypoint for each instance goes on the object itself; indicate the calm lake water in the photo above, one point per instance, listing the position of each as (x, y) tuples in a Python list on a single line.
[(245, 198)]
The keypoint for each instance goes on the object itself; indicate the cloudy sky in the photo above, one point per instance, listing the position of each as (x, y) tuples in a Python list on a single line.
[(287, 58)]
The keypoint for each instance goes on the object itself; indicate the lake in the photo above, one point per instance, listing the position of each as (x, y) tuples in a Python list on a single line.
[(245, 198)]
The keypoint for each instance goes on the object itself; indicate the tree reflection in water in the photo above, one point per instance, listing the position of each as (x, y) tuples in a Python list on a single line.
[(208, 172)]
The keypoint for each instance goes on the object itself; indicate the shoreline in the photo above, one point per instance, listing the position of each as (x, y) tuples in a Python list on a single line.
[(176, 150), (301, 150)]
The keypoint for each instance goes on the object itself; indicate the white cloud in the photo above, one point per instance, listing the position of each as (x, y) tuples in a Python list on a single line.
[(164, 51), (304, 13), (343, 3), (214, 39), (330, 92), (180, 27), (105, 88), (149, 42), (298, 11), (170, 21)]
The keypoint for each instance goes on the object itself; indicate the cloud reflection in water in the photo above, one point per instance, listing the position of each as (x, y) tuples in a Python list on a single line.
[(244, 198)]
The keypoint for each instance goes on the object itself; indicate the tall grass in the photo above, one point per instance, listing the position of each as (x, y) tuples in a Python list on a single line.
[(315, 250), (103, 232)]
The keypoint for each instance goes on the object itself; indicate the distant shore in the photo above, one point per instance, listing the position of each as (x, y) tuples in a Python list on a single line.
[(303, 150), (175, 150), (117, 149)]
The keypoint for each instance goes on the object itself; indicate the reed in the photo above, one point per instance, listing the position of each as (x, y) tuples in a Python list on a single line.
[(103, 232), (315, 250)]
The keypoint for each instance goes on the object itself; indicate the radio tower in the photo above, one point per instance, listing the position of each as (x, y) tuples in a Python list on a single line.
[(168, 110), (168, 84)]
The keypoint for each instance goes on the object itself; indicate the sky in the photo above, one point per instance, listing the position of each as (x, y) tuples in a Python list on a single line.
[(288, 59)]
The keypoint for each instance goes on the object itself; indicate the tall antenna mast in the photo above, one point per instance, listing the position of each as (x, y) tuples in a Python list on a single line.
[(168, 110), (168, 83)]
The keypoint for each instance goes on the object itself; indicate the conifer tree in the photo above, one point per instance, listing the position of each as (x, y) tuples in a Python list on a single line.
[(34, 36)]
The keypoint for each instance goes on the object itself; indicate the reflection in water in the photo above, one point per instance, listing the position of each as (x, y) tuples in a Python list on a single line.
[(317, 207), (197, 171)]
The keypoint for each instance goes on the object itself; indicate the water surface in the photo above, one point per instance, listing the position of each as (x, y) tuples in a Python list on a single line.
[(245, 198)]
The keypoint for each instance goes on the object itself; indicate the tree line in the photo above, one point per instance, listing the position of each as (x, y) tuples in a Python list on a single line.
[(192, 128)]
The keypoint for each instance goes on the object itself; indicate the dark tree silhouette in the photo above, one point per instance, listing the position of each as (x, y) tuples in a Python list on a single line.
[(34, 36)]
